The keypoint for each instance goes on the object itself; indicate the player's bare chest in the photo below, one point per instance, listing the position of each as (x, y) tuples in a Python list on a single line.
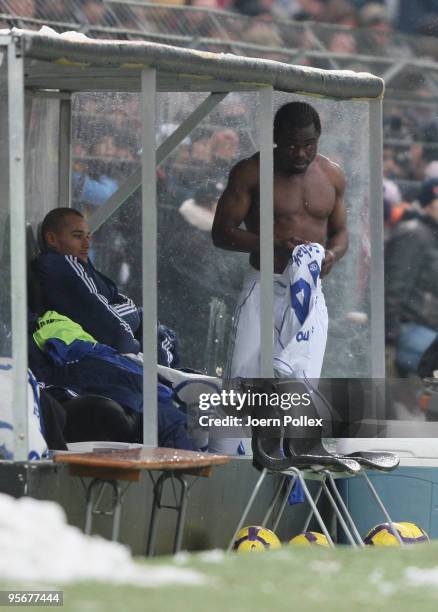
[(313, 194)]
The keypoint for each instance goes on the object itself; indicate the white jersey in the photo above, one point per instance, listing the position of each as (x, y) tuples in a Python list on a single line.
[(37, 444), (300, 320)]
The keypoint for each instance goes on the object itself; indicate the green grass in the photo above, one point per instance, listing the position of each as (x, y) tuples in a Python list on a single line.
[(296, 579)]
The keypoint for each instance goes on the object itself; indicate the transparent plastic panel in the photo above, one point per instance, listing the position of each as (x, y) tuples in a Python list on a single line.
[(198, 283), (106, 132), (344, 140), (42, 135)]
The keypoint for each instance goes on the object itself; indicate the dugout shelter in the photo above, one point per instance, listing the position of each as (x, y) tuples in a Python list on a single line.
[(41, 73)]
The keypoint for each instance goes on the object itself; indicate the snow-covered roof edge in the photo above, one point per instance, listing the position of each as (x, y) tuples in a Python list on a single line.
[(78, 50)]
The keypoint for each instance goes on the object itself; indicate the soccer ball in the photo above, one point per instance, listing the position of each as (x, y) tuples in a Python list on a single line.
[(381, 535), (254, 539), (310, 537)]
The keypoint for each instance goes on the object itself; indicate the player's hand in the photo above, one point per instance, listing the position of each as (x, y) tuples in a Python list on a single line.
[(295, 241), (289, 243), (327, 264)]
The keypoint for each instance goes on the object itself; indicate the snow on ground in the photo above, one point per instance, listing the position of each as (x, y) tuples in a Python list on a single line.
[(37, 545), (212, 556), (325, 567), (419, 576)]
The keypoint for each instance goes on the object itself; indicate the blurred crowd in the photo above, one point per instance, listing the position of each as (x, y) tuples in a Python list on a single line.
[(346, 28), (410, 16)]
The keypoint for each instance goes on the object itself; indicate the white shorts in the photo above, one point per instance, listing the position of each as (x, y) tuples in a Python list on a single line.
[(300, 320), (300, 329)]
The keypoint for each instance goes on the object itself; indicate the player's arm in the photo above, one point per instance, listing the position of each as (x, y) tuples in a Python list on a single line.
[(129, 312), (70, 291), (337, 234), (233, 207)]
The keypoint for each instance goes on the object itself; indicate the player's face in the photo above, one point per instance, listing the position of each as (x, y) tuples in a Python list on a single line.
[(73, 238), (297, 148)]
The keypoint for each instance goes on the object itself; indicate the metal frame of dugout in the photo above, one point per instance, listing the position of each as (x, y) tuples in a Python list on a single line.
[(57, 67)]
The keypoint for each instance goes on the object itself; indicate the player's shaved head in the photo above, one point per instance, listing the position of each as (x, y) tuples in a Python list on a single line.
[(56, 219)]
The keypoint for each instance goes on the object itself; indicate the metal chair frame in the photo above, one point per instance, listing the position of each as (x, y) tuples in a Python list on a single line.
[(327, 485)]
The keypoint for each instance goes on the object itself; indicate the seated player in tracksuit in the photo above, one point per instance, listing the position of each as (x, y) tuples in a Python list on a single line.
[(72, 286)]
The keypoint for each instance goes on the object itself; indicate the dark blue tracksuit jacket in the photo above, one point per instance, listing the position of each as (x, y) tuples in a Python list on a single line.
[(83, 294)]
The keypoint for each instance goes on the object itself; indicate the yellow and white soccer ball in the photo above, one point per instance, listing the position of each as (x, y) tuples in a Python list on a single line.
[(381, 535), (308, 538), (255, 539)]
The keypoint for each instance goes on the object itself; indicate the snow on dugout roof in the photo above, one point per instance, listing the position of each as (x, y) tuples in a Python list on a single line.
[(94, 65)]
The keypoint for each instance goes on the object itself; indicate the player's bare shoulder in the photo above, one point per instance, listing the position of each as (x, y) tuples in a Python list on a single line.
[(246, 171), (333, 171)]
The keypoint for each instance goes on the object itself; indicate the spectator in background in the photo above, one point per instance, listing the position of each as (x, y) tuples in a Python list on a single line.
[(412, 12), (428, 25), (425, 43), (342, 42), (391, 192), (391, 168), (428, 134), (94, 12), (175, 176), (88, 188), (416, 162), (395, 128), (224, 152), (310, 10), (144, 19), (254, 8), (97, 174), (234, 110), (201, 150), (193, 172), (342, 13), (262, 33), (57, 10), (376, 37), (190, 273), (199, 211), (375, 15), (431, 170), (199, 23), (115, 146), (105, 147), (411, 281), (22, 8), (206, 4), (125, 17), (393, 207)]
